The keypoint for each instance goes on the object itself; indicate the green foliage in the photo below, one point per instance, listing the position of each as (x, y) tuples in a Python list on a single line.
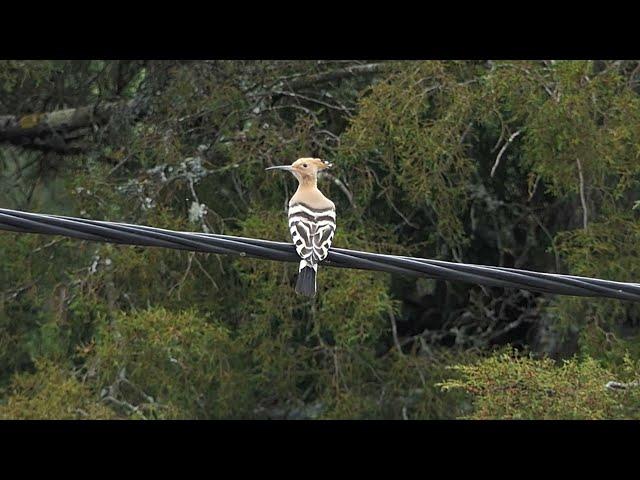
[(412, 139), (51, 393), (511, 386), (176, 365)]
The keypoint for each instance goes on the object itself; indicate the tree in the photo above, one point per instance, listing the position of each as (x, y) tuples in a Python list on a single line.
[(529, 164)]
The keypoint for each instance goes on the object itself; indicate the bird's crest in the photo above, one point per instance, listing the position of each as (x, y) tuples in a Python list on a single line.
[(318, 163)]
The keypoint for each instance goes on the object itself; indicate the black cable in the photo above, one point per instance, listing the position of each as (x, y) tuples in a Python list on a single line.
[(127, 234)]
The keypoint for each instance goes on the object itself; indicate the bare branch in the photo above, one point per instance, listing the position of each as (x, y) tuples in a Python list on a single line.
[(582, 196), (502, 150), (622, 386), (394, 330), (56, 131), (334, 75), (341, 186)]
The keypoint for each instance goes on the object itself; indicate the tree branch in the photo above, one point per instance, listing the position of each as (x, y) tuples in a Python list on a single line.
[(333, 75), (583, 200), (58, 130), (502, 150)]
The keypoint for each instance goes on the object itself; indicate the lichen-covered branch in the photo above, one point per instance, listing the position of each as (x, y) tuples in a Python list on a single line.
[(60, 130)]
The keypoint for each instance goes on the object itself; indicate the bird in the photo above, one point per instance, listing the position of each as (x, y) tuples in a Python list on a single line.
[(312, 221)]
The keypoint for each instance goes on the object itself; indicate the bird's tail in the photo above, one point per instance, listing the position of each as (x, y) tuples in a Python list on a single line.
[(306, 284)]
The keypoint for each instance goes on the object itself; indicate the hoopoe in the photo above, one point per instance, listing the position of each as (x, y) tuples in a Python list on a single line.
[(312, 220)]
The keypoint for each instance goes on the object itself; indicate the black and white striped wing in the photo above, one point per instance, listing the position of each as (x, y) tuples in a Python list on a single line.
[(312, 231)]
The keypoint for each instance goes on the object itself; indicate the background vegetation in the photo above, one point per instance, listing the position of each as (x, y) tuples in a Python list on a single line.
[(526, 164)]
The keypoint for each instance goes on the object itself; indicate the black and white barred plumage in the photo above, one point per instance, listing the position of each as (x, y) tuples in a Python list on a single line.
[(312, 231)]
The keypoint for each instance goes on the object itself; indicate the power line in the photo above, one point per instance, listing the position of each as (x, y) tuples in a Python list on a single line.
[(127, 234)]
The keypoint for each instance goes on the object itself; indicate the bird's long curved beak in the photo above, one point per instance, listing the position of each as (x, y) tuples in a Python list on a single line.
[(281, 167)]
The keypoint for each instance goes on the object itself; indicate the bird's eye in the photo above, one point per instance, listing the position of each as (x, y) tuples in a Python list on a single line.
[(304, 165)]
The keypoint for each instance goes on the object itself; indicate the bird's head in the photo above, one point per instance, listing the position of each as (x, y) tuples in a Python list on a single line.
[(305, 168)]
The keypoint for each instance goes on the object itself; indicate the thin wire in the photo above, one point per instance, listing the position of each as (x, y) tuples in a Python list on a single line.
[(128, 234)]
